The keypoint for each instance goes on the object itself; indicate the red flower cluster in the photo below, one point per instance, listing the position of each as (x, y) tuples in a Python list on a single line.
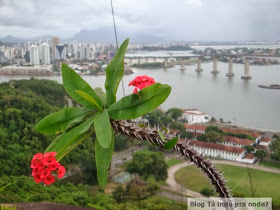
[(43, 165), (141, 82)]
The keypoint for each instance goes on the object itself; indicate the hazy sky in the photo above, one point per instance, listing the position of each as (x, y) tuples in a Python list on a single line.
[(178, 20)]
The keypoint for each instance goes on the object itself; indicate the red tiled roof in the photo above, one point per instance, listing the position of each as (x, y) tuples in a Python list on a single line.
[(250, 156), (229, 130), (238, 140), (214, 146), (193, 113), (188, 110), (265, 139), (260, 147), (195, 127)]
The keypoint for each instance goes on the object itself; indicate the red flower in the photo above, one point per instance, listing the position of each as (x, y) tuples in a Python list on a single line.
[(35, 171), (45, 172), (38, 156), (49, 180), (44, 165), (49, 160), (61, 171), (54, 166), (37, 178), (141, 82), (48, 154), (34, 164)]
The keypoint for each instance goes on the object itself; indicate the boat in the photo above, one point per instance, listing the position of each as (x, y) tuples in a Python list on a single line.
[(273, 86)]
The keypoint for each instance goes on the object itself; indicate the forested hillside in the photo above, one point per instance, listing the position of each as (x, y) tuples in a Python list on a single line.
[(23, 104)]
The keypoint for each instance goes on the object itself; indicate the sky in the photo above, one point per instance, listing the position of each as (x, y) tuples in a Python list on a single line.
[(172, 20)]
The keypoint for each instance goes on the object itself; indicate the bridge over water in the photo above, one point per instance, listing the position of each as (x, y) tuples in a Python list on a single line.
[(167, 58)]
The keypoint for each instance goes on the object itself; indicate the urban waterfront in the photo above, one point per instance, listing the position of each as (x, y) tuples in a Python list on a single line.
[(232, 99)]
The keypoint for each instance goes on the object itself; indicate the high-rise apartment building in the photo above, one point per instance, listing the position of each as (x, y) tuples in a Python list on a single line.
[(34, 55), (55, 42), (46, 51), (60, 52)]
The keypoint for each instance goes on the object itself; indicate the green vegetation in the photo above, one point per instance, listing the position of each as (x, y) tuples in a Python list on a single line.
[(147, 163), (249, 148), (207, 192), (24, 189), (173, 161), (23, 103), (275, 149), (148, 65), (270, 164), (215, 134), (241, 136), (174, 113), (261, 154), (170, 120), (265, 184), (212, 134)]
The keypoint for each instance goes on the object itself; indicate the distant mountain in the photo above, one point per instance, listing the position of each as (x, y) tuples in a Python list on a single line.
[(12, 39), (104, 34), (107, 34)]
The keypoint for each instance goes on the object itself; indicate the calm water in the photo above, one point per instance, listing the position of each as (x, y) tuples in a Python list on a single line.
[(233, 99)]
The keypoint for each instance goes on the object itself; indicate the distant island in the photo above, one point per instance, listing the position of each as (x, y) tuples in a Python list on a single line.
[(273, 86)]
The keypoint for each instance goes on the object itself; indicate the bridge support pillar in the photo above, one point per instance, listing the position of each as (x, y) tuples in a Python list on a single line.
[(130, 61), (165, 63), (139, 60), (154, 59), (199, 69), (182, 64), (230, 70), (246, 70), (215, 71), (146, 60)]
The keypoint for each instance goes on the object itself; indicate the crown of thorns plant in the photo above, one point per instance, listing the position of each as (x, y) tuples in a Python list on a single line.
[(105, 117)]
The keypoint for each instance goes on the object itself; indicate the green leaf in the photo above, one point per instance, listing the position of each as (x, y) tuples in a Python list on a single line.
[(88, 98), (72, 81), (114, 73), (61, 120), (103, 159), (100, 93), (136, 105), (3, 188), (161, 136), (103, 128), (63, 143), (171, 143)]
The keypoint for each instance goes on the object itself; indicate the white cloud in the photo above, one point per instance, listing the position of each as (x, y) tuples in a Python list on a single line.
[(193, 2), (177, 20)]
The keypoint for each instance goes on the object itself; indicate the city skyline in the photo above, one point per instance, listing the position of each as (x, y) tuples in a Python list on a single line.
[(183, 20)]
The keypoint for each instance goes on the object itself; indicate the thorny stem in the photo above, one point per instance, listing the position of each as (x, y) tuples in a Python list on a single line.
[(152, 135)]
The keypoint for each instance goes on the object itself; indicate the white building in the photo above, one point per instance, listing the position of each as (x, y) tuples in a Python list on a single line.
[(195, 129), (46, 53), (194, 116), (237, 142), (26, 70), (265, 141), (256, 136), (85, 52), (34, 55), (219, 151)]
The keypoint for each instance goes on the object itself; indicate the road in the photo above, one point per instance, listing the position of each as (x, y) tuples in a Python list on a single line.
[(175, 187)]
